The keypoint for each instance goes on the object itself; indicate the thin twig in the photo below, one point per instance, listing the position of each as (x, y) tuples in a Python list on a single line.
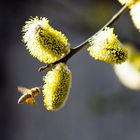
[(85, 43), (116, 17)]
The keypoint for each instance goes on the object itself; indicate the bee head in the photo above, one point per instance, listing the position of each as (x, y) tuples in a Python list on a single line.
[(35, 91)]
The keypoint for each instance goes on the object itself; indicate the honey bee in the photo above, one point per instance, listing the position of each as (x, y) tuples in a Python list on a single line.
[(28, 95)]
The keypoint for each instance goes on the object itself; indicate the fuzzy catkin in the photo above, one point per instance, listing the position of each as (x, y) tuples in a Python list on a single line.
[(134, 6), (129, 3), (106, 47), (44, 42), (135, 15), (129, 72), (57, 86)]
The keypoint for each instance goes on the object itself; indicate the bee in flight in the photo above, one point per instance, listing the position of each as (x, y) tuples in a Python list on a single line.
[(28, 95)]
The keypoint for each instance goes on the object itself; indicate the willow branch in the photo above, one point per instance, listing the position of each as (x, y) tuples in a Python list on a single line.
[(85, 43)]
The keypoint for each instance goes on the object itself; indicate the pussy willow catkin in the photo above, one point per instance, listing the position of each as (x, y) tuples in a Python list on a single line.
[(134, 6), (129, 3), (56, 87), (44, 42), (129, 72), (106, 47), (135, 15)]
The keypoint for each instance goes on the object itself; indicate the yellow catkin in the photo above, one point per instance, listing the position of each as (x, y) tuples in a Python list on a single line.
[(135, 15), (57, 86), (129, 72), (106, 47), (44, 42), (129, 3)]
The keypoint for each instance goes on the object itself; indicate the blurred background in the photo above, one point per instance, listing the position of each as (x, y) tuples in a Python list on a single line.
[(99, 106)]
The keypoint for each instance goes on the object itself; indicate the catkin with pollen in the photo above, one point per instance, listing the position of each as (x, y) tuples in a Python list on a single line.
[(106, 47), (44, 42), (134, 6), (135, 15), (129, 3), (56, 87), (129, 72)]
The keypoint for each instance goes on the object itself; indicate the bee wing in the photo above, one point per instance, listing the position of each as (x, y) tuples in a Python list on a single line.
[(23, 98), (23, 90)]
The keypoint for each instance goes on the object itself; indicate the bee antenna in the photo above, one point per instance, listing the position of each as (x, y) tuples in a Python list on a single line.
[(40, 86)]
